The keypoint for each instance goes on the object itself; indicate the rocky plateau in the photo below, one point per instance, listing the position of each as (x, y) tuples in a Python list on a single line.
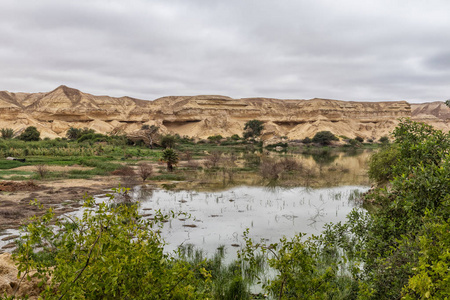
[(53, 113)]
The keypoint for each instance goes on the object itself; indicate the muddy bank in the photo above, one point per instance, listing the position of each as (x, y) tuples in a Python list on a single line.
[(63, 195)]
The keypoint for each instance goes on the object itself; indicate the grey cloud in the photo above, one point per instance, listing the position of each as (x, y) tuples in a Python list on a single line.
[(353, 50)]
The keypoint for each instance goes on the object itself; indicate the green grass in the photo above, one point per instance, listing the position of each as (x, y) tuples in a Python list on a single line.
[(10, 164)]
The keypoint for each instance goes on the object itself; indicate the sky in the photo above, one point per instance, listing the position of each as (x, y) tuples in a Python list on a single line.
[(360, 50)]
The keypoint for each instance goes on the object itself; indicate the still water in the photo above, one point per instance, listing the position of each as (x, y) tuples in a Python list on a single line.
[(220, 218)]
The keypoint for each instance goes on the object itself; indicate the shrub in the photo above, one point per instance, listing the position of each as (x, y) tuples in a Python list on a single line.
[(145, 170), (307, 140), (214, 158), (324, 138), (73, 133), (168, 141), (110, 252), (42, 171), (384, 140), (359, 139), (215, 138), (30, 134), (235, 137), (7, 133), (380, 164)]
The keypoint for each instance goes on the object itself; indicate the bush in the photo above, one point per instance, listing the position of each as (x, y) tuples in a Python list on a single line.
[(168, 141), (384, 140), (7, 133), (213, 159), (359, 139), (111, 252), (30, 134), (145, 170), (42, 171), (306, 140), (380, 163), (324, 138), (235, 137), (215, 138)]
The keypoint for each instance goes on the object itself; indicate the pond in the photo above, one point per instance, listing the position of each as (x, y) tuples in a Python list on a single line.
[(220, 218), (324, 188)]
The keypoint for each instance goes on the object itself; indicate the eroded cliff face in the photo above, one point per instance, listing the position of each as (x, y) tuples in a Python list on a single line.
[(55, 112)]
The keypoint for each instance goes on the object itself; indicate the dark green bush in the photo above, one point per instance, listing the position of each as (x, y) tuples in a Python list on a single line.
[(30, 134), (324, 138)]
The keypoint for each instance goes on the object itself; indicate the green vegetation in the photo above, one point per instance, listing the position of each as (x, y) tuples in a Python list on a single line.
[(168, 141), (398, 251), (170, 157), (324, 138), (7, 133), (253, 129), (215, 138), (110, 252), (30, 134)]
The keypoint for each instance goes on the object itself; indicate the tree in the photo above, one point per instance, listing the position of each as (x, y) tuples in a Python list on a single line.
[(253, 129), (151, 132), (73, 133), (324, 138), (76, 133), (30, 134), (168, 141), (170, 157), (7, 133), (400, 245)]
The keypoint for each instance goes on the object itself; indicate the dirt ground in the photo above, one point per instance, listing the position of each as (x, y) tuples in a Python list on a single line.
[(10, 284), (15, 196)]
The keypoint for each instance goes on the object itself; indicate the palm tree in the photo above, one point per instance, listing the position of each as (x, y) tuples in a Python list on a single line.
[(170, 157)]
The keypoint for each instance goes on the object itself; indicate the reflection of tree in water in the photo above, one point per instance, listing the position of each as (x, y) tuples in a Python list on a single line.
[(323, 157), (143, 194)]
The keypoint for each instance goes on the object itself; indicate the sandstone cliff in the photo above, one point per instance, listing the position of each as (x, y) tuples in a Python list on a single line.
[(201, 116)]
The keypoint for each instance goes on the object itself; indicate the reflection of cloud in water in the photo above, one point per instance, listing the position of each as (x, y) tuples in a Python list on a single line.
[(269, 213)]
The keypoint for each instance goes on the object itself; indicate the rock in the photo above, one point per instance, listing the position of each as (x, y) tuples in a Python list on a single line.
[(202, 116)]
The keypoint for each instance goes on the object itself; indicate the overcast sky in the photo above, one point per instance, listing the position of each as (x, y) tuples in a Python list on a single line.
[(289, 49)]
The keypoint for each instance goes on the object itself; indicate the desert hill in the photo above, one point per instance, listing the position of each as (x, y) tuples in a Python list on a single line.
[(202, 116)]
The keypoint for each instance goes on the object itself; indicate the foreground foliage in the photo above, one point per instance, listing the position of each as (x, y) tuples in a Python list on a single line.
[(110, 252)]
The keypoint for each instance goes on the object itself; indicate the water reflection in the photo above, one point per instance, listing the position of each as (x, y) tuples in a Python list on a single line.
[(317, 168), (219, 218)]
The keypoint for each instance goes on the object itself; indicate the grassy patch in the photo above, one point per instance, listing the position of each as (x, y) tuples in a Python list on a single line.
[(10, 164)]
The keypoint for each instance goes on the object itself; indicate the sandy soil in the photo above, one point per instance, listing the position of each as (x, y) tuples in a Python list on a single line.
[(9, 283)]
